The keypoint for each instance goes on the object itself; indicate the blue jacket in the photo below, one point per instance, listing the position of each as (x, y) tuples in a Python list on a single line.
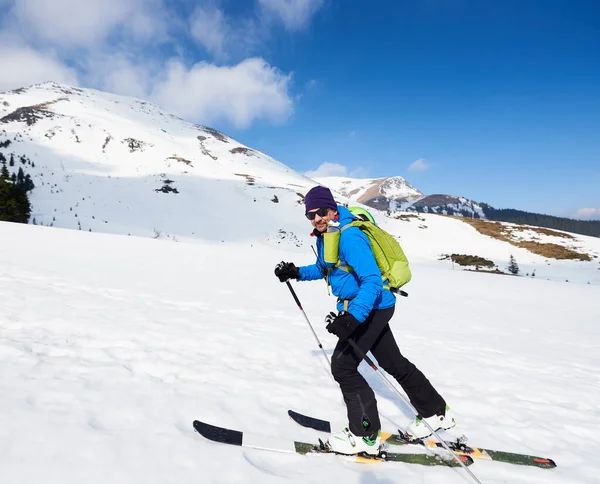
[(363, 287)]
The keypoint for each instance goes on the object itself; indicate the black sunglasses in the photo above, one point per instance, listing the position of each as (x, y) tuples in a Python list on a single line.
[(322, 212)]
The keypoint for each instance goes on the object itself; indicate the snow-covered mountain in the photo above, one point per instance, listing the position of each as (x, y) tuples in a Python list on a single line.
[(114, 164), (447, 205), (395, 194), (373, 192)]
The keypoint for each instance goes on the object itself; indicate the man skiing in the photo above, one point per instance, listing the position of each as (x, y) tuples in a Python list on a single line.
[(365, 309)]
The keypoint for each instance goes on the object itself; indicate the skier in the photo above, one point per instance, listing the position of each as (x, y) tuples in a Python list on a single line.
[(364, 311)]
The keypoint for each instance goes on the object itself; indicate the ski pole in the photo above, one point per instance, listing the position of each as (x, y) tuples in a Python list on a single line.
[(307, 320), (364, 356)]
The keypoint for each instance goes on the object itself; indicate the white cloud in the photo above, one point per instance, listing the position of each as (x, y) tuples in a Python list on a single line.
[(418, 165), (121, 74), (22, 66), (73, 23), (328, 169), (127, 47), (239, 94), (224, 36), (294, 14), (209, 26), (587, 214)]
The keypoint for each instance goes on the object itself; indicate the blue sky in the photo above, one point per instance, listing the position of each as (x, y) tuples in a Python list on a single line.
[(497, 101)]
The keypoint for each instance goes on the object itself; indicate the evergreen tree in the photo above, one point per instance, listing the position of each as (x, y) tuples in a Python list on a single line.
[(513, 267), (14, 204), (28, 184)]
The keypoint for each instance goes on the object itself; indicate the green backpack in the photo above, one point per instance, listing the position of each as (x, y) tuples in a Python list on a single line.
[(389, 256)]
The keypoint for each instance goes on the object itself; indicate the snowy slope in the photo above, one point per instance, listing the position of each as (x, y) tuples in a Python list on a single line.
[(111, 345)]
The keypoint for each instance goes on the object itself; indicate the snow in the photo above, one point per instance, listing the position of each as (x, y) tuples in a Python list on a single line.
[(112, 345), (113, 341)]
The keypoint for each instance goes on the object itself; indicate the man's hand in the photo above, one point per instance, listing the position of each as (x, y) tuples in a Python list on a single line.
[(342, 325), (286, 271)]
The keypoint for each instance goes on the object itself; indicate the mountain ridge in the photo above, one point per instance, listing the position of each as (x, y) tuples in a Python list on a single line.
[(373, 192)]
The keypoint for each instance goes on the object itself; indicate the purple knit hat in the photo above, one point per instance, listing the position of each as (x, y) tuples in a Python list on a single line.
[(319, 197)]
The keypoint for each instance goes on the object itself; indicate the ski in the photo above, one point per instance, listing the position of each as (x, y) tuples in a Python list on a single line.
[(235, 437), (458, 446)]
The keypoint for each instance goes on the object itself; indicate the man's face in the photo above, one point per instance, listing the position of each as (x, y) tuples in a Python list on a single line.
[(322, 216)]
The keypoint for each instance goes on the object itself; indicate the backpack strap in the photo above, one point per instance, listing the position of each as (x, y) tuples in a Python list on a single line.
[(339, 265)]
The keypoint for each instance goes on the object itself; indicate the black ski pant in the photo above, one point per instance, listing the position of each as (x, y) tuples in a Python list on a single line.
[(375, 335)]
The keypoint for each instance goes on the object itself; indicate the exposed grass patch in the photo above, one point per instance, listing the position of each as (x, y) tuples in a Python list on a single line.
[(553, 251), (217, 134), (32, 114), (507, 233), (468, 260), (250, 180), (243, 151)]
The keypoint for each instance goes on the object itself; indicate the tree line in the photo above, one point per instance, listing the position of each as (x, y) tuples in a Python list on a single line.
[(583, 227)]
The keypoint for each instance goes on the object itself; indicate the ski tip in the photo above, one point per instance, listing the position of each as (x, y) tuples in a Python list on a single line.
[(466, 459), (296, 416), (218, 434), (199, 427), (310, 422), (544, 462)]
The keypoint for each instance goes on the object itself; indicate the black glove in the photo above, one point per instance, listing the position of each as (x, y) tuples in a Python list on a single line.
[(342, 325), (286, 271)]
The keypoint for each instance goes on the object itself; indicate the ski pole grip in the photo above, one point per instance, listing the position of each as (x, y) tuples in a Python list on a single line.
[(362, 354), (293, 294)]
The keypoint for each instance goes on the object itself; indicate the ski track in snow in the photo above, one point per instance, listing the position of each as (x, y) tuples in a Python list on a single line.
[(108, 353)]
